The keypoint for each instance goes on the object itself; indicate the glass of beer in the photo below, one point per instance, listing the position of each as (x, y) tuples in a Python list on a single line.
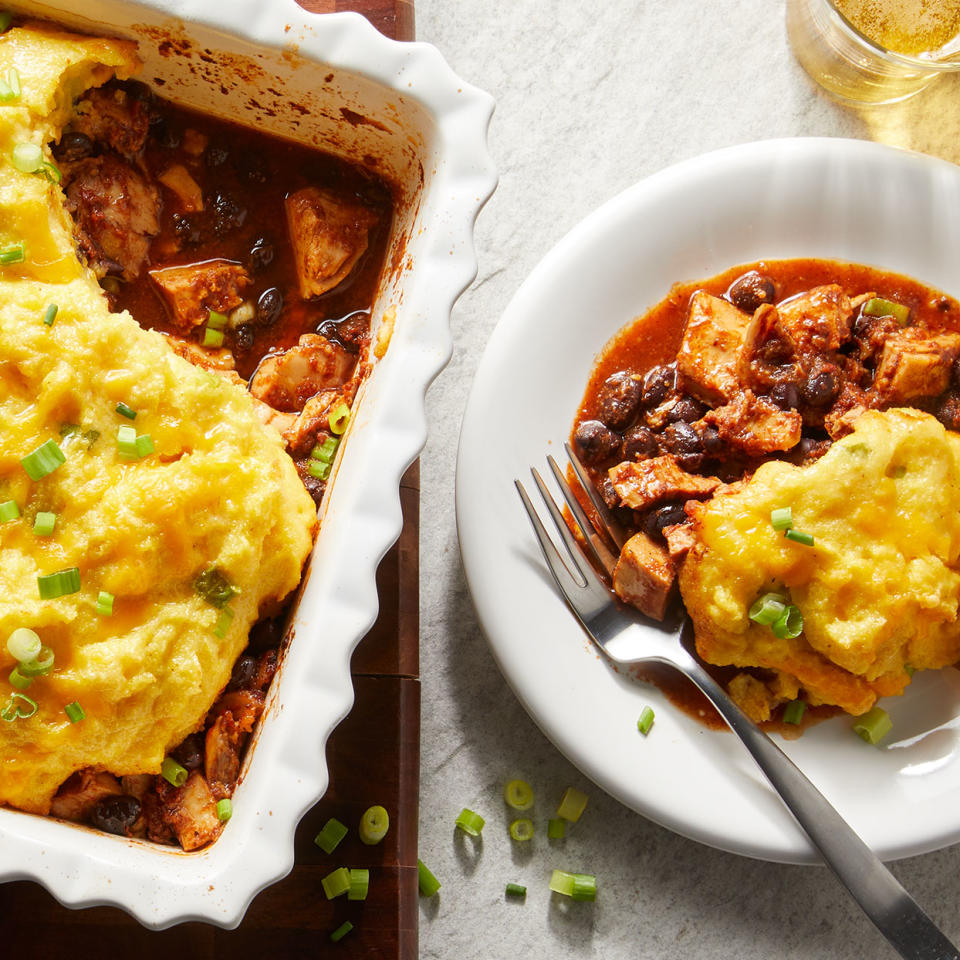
[(875, 51)]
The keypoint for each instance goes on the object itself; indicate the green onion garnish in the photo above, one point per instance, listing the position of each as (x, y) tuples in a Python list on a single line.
[(874, 725), (336, 884), (13, 81), (789, 624), (51, 171), (105, 604), (556, 829), (561, 882), (14, 711), (428, 883), (40, 665), (216, 321), (5, 18), (521, 830), (572, 804), (43, 523), (144, 445), (174, 773), (374, 825), (798, 536), (15, 253), (44, 460), (584, 887), (212, 338), (516, 890), (359, 884), (27, 157), (328, 839), (222, 625), (339, 418), (645, 722), (768, 609), (74, 712), (878, 307), (318, 469), (326, 450), (9, 511), (341, 931), (126, 411), (59, 584), (213, 586), (127, 442), (18, 680), (518, 794), (782, 518), (470, 822), (50, 314), (793, 712), (224, 809), (23, 645)]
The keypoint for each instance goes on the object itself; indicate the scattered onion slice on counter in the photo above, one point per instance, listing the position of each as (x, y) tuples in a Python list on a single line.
[(359, 884), (470, 822), (427, 882), (572, 804), (337, 883), (341, 931), (516, 890), (522, 830), (328, 839), (874, 725), (556, 829), (374, 825), (518, 794), (645, 721)]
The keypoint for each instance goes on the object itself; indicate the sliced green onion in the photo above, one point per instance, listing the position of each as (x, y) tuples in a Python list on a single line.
[(15, 253), (556, 829), (789, 624), (44, 460), (144, 445), (427, 882), (9, 511), (584, 887), (325, 451), (5, 18), (212, 338), (878, 307), (127, 442), (74, 712), (223, 623), (374, 825), (516, 890), (768, 609), (105, 604), (470, 822), (318, 469), (874, 725), (339, 418), (174, 773), (59, 584), (521, 830), (518, 794), (798, 536), (23, 645), (645, 722), (40, 665), (793, 712), (43, 523), (50, 314), (224, 809), (359, 884), (216, 321), (561, 882), (572, 804), (213, 586), (13, 81), (50, 171), (341, 931), (18, 680), (336, 884), (328, 839), (126, 411), (27, 157), (14, 711), (782, 518)]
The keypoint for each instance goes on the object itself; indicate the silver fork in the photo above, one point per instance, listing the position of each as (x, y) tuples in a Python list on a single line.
[(626, 637)]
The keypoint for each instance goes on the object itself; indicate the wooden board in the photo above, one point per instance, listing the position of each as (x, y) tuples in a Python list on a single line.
[(374, 757)]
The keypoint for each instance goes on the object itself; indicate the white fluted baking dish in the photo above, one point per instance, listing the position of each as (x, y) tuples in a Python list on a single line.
[(333, 81)]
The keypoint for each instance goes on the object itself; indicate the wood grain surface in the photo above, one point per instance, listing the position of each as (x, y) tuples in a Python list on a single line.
[(374, 757)]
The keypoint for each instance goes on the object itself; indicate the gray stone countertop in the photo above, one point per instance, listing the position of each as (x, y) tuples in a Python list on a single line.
[(590, 99)]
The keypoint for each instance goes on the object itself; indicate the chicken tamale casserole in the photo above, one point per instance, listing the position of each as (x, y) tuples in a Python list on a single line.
[(779, 442), (184, 325)]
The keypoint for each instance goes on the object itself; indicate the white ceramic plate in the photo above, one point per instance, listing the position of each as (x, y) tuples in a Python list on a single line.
[(840, 199)]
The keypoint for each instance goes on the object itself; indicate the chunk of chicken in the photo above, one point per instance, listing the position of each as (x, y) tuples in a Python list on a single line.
[(755, 425), (644, 576), (708, 355), (115, 210), (190, 811), (109, 115), (287, 380), (216, 360), (641, 484), (194, 289), (314, 419), (913, 366), (222, 746), (817, 320), (80, 792), (328, 235)]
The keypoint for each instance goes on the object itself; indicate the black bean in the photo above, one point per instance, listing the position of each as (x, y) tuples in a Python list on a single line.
[(686, 409), (190, 752), (115, 813), (608, 494), (751, 290), (619, 399), (639, 443), (955, 373), (261, 254), (681, 438), (353, 328), (820, 388), (665, 516), (138, 90), (269, 306), (189, 232), (658, 382), (228, 214), (215, 155), (243, 671), (710, 439), (329, 330), (73, 145), (243, 338), (595, 441), (785, 395)]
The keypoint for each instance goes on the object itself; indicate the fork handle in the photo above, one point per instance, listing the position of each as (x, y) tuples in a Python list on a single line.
[(896, 914)]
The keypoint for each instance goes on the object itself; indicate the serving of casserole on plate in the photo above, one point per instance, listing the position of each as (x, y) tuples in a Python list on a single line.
[(157, 472)]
